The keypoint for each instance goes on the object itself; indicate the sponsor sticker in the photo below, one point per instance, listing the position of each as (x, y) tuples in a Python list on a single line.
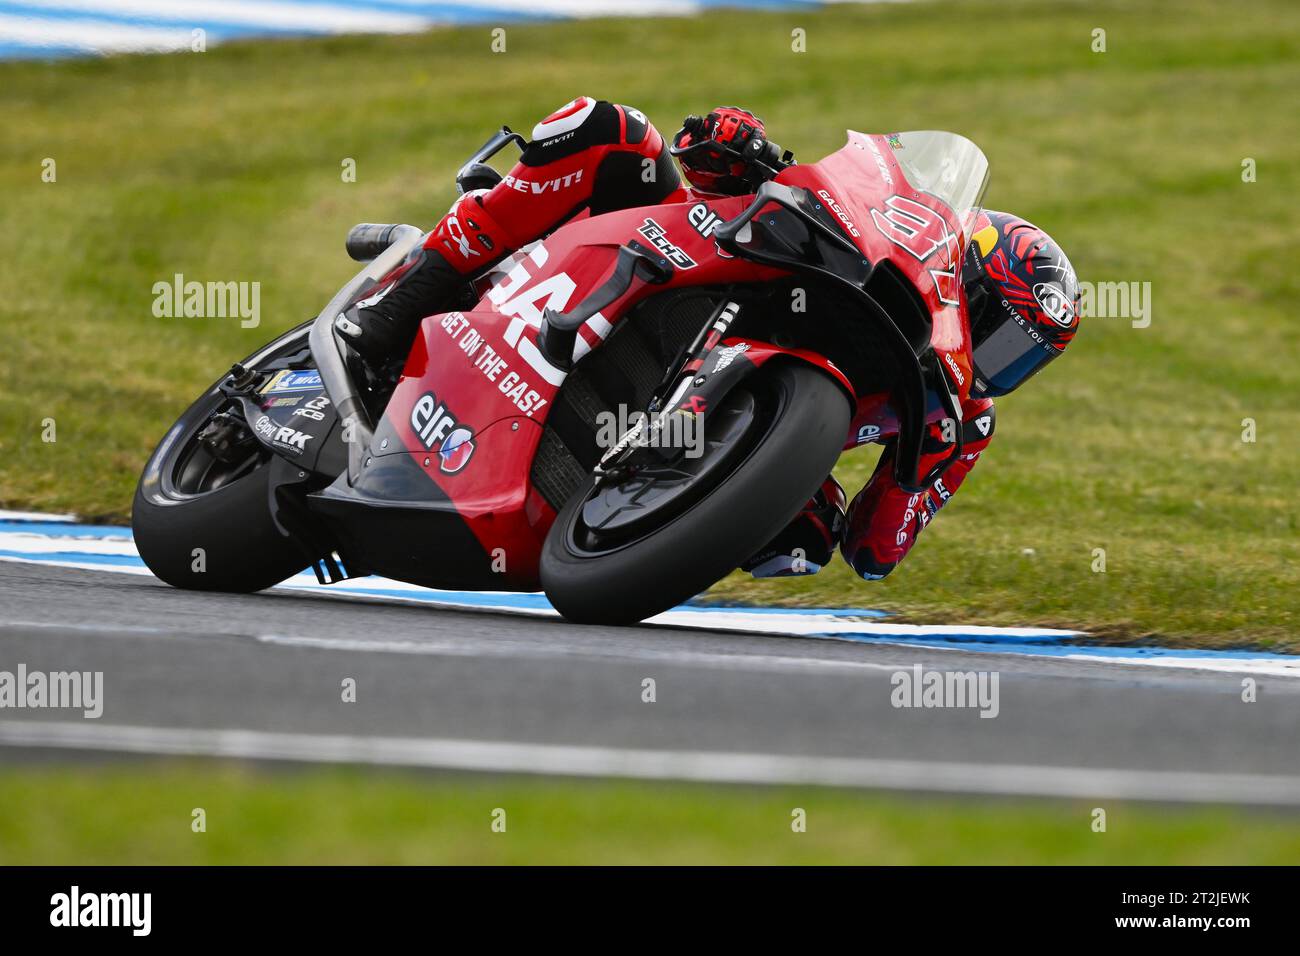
[(840, 214), (456, 450), (314, 409), (956, 370), (439, 431), (282, 436), (705, 221), (536, 188), (868, 433), (292, 380), (658, 237), (728, 355), (1054, 303)]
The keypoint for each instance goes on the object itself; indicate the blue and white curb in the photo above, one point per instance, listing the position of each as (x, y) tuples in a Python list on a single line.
[(44, 28), (60, 541)]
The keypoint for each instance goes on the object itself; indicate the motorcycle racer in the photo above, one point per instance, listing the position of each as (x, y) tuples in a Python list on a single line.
[(592, 156), (1022, 298), (589, 156)]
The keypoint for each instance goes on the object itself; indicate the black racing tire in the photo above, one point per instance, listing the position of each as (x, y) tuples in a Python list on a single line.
[(807, 418), (229, 518)]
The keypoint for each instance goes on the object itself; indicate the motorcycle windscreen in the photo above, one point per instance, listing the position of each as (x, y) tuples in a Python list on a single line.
[(948, 167)]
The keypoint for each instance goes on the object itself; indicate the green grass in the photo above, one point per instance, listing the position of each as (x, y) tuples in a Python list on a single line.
[(126, 814), (226, 165)]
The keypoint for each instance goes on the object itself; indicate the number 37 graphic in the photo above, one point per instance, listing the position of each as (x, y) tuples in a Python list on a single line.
[(922, 231)]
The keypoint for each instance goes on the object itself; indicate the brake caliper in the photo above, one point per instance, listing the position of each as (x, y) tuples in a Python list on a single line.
[(226, 437)]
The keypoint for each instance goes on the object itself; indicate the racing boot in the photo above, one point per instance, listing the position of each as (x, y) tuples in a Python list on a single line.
[(381, 329), (808, 542)]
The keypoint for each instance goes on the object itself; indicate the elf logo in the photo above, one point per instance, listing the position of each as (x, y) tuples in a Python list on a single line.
[(704, 221), (456, 450), (438, 430)]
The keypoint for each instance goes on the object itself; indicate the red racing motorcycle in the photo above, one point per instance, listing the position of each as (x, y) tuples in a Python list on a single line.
[(619, 414)]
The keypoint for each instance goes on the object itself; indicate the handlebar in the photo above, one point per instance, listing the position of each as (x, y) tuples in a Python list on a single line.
[(757, 150)]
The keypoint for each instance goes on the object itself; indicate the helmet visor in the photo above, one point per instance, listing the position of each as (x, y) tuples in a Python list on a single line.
[(1007, 355)]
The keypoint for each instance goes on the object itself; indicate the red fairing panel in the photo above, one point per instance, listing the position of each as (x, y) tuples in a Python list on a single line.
[(760, 353), (866, 189), (482, 371)]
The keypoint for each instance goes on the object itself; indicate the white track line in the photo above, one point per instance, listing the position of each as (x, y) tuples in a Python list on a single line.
[(694, 765), (309, 17), (93, 35), (517, 650), (1289, 668), (577, 8), (34, 516), (514, 650), (44, 544)]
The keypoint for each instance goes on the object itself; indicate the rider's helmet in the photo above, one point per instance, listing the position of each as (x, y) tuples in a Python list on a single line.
[(1023, 300), (725, 153)]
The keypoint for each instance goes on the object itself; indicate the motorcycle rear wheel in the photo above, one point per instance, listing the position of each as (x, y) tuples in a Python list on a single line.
[(205, 524), (595, 579)]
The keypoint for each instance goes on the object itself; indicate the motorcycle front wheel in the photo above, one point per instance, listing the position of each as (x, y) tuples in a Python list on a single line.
[(772, 443)]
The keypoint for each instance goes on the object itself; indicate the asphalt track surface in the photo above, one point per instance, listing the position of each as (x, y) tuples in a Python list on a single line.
[(260, 676)]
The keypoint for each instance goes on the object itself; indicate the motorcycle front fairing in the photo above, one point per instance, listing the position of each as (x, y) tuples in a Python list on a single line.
[(909, 199)]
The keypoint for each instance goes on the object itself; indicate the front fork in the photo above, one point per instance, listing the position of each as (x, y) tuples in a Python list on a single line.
[(711, 367), (694, 392)]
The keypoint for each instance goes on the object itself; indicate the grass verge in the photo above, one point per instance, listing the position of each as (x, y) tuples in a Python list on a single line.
[(142, 814)]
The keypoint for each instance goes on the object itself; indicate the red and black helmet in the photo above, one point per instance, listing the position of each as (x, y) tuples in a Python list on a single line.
[(727, 152), (1023, 298)]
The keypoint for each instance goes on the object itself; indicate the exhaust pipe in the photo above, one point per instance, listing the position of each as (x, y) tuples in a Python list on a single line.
[(367, 240)]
